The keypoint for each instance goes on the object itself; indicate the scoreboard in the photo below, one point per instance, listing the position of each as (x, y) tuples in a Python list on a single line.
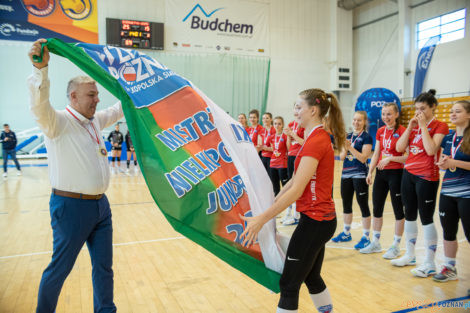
[(134, 34)]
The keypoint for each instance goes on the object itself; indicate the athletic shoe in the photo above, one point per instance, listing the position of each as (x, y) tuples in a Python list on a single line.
[(404, 260), (373, 247), (136, 169), (364, 242), (342, 237), (447, 273), (128, 170), (392, 253), (18, 173), (424, 270), (5, 175), (289, 221)]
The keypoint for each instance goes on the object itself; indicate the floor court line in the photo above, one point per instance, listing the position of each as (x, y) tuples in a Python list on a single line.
[(114, 245), (439, 305), (169, 239)]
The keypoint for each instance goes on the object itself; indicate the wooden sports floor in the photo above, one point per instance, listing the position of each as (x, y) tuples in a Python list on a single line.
[(158, 270)]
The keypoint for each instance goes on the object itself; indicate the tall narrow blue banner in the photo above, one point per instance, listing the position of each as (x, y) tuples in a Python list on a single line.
[(422, 64)]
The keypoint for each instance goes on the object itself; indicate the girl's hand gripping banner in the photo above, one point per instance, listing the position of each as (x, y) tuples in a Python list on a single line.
[(199, 164)]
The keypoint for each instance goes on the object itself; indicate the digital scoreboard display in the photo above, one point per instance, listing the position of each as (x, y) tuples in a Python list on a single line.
[(134, 34)]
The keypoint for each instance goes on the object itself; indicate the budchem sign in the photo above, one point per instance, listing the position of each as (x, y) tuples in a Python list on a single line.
[(217, 26), (198, 22)]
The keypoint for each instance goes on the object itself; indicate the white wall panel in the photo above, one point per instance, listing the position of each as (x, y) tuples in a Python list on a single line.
[(299, 51)]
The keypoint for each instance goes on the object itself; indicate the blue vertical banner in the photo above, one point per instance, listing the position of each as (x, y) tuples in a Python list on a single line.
[(422, 64)]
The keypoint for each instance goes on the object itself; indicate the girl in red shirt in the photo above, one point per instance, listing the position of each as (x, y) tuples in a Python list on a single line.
[(277, 143), (311, 187), (295, 140), (255, 129), (420, 181), (389, 164), (268, 129)]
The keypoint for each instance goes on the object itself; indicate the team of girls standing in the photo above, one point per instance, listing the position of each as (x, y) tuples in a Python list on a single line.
[(407, 162), (310, 187), (454, 201), (389, 165), (353, 180), (420, 181)]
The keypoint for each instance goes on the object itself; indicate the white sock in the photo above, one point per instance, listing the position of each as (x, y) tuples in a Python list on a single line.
[(279, 310), (450, 261), (430, 242), (411, 234), (347, 229), (376, 236), (323, 301), (289, 210), (396, 240), (366, 232)]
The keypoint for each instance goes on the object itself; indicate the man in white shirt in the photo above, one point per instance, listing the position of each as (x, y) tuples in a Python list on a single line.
[(79, 174)]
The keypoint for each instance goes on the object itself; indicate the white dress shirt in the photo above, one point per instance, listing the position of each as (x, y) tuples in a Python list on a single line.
[(76, 163)]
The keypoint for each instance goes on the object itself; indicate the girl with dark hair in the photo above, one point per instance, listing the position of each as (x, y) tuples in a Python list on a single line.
[(255, 129), (389, 164), (353, 179), (310, 187), (454, 202), (420, 181)]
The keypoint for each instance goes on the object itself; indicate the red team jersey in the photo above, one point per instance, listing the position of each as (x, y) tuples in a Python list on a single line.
[(316, 201), (265, 137), (279, 145), (294, 145), (419, 163), (388, 141), (254, 133)]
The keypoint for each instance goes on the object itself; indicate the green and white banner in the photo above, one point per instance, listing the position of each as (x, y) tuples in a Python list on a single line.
[(199, 164)]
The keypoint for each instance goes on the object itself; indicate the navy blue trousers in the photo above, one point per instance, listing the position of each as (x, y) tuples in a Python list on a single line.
[(12, 154), (74, 222)]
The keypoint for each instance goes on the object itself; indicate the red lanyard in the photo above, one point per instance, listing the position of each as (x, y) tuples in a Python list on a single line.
[(252, 131), (96, 134), (352, 142), (295, 126), (454, 150), (266, 136), (384, 140), (419, 128), (276, 142)]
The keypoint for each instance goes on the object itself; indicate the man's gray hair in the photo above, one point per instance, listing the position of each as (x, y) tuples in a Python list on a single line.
[(74, 82)]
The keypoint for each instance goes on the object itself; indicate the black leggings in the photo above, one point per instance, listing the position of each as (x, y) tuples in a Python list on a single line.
[(266, 161), (450, 211), (290, 165), (278, 175), (386, 180), (358, 185), (304, 260), (418, 195)]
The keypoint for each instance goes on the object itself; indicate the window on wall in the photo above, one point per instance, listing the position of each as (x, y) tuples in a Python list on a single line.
[(450, 27)]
